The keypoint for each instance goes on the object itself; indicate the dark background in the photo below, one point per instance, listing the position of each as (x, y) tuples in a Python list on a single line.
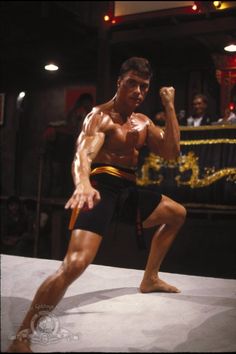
[(183, 48)]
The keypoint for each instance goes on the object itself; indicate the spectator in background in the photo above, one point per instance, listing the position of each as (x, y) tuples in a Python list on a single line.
[(59, 142), (14, 225), (160, 119), (25, 246), (181, 117), (82, 107), (228, 118), (199, 112), (73, 123)]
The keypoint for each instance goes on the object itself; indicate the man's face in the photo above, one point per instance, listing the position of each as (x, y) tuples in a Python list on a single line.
[(199, 106), (133, 88)]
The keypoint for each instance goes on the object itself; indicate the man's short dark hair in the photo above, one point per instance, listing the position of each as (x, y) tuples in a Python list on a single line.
[(203, 97), (137, 64)]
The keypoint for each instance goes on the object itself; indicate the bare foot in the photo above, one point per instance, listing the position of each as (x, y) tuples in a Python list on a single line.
[(157, 285), (19, 346)]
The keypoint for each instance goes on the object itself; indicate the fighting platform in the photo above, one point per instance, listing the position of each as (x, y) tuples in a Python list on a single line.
[(103, 311)]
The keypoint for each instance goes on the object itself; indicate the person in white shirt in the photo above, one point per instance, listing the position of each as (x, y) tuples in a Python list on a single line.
[(199, 112), (228, 118)]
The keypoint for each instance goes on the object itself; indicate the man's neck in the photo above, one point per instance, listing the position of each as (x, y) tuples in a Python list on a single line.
[(124, 111)]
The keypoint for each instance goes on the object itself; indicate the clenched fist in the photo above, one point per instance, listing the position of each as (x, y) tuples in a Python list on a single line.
[(167, 95)]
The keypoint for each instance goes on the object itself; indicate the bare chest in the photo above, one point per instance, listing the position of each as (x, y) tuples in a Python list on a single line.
[(130, 135)]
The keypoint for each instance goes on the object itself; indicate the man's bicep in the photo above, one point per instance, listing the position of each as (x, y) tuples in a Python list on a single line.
[(92, 144), (155, 137), (92, 136)]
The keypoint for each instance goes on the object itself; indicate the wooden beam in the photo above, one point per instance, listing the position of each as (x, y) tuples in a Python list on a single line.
[(172, 31)]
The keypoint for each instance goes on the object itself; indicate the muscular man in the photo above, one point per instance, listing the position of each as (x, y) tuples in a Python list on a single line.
[(103, 167)]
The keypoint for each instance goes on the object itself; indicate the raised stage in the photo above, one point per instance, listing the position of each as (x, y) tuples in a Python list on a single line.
[(103, 311)]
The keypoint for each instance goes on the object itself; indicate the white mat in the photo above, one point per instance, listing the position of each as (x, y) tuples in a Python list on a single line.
[(103, 311)]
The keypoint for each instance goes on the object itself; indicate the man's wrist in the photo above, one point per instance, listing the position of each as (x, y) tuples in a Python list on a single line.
[(82, 182), (170, 107)]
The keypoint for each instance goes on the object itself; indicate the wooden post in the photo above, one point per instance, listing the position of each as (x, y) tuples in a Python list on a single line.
[(38, 210), (103, 64)]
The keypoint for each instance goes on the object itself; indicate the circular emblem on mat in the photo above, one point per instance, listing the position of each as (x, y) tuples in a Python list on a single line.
[(45, 322)]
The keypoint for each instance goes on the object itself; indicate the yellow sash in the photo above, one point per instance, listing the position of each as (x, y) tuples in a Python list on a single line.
[(114, 172)]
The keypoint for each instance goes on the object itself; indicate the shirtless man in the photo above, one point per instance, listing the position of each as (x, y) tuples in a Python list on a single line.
[(104, 165)]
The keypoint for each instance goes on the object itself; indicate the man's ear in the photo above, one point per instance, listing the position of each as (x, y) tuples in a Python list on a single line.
[(118, 82)]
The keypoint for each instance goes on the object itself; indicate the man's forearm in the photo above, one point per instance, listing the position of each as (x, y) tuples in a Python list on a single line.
[(81, 168), (87, 149), (172, 133)]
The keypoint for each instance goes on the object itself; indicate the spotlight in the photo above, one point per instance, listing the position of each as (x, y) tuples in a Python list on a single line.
[(194, 7)]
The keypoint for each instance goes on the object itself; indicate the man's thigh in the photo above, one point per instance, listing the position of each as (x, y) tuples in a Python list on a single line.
[(163, 212), (97, 220), (148, 201)]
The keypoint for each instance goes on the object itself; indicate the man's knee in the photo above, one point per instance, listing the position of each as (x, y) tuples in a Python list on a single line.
[(177, 212), (181, 213), (74, 265), (167, 212)]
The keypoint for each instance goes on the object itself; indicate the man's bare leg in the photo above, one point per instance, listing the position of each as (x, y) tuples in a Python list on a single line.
[(170, 216), (82, 249)]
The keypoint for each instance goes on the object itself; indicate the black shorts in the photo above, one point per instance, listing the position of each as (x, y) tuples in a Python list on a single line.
[(120, 199)]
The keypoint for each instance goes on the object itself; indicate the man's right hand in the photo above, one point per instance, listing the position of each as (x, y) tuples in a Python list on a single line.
[(84, 196)]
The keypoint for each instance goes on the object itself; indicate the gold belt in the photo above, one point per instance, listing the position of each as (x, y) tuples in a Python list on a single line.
[(103, 169), (114, 172)]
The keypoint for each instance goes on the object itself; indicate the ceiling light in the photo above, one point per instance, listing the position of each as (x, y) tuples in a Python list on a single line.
[(21, 94), (19, 100), (217, 4), (106, 18), (230, 48), (51, 67)]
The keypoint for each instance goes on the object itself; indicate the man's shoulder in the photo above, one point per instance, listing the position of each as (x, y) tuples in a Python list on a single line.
[(142, 117), (206, 120), (97, 113), (104, 107), (96, 120), (100, 112)]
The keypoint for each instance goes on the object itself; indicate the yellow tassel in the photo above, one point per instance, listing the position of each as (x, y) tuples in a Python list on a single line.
[(74, 215)]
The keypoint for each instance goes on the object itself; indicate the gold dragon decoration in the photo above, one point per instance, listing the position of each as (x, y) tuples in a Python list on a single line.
[(188, 162)]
